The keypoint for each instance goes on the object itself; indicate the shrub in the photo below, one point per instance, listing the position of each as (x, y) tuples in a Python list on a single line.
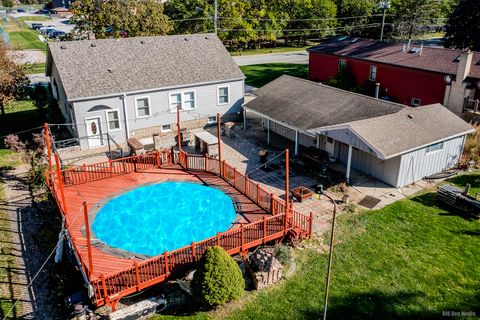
[(218, 278), (282, 253)]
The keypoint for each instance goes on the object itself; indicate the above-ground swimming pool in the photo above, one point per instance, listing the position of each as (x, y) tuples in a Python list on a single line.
[(163, 217)]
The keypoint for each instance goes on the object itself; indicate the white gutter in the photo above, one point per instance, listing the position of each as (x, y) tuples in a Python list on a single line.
[(154, 89)]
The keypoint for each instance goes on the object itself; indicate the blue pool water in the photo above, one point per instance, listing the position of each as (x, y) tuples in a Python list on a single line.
[(164, 216)]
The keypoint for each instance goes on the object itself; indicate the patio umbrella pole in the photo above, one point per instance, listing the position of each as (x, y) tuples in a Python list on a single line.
[(330, 256)]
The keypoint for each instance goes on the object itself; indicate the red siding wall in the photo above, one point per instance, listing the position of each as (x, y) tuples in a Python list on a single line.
[(403, 84)]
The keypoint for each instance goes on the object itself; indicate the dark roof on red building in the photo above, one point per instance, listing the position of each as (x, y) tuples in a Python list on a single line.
[(434, 59)]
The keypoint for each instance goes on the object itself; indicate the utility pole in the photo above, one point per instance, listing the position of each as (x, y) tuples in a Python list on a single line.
[(215, 17), (385, 4)]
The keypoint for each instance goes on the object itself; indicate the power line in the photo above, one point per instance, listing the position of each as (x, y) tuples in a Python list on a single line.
[(310, 19), (20, 132), (306, 29)]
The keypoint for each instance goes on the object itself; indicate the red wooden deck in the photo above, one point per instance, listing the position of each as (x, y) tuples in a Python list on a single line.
[(93, 192)]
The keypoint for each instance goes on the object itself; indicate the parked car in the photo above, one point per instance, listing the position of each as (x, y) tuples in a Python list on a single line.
[(49, 33), (37, 26), (42, 11), (46, 29), (56, 34), (20, 10)]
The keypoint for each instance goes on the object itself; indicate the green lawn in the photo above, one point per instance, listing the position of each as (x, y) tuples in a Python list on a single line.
[(21, 115), (260, 74), (267, 50), (22, 38), (413, 259), (36, 68), (8, 160)]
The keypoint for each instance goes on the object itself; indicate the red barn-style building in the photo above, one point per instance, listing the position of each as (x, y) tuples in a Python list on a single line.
[(411, 75)]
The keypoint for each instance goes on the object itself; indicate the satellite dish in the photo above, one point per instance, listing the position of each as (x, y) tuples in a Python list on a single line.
[(448, 79)]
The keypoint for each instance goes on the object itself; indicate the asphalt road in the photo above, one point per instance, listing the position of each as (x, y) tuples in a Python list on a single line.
[(300, 57)]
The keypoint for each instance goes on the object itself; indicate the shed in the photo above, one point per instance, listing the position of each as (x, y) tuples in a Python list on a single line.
[(394, 143)]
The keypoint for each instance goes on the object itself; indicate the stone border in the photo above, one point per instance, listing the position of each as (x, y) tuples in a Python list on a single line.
[(121, 253)]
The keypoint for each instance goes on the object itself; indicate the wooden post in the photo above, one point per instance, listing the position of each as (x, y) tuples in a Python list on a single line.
[(218, 239), (102, 278), (206, 162), (287, 186), (245, 187), (219, 142), (235, 177), (271, 203), (60, 183), (310, 225), (137, 275), (110, 166), (222, 170), (167, 267), (89, 243), (264, 229), (157, 158), (178, 129), (49, 149), (258, 193), (186, 160), (243, 237), (85, 172), (193, 250)]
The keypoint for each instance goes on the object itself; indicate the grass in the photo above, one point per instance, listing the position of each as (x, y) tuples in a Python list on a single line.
[(33, 18), (22, 38), (413, 259), (8, 161), (259, 75), (36, 68), (21, 115), (267, 50)]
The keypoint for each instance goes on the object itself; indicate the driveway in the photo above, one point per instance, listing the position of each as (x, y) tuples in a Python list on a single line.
[(300, 57)]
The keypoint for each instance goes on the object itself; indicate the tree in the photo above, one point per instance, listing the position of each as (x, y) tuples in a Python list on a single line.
[(7, 3), (190, 16), (115, 18), (463, 29), (218, 278), (13, 80), (355, 14), (412, 17)]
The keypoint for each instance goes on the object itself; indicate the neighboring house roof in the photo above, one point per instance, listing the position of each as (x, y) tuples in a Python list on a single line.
[(60, 9), (304, 104), (408, 129), (433, 59), (96, 68)]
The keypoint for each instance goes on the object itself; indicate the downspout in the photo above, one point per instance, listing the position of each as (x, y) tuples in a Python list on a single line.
[(127, 130)]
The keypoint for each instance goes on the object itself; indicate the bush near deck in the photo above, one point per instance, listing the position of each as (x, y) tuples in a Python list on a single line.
[(413, 259)]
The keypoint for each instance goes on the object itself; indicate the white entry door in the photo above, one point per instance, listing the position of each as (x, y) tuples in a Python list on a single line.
[(94, 132), (330, 146)]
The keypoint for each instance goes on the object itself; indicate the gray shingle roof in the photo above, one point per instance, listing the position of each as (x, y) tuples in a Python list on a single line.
[(409, 129), (305, 104), (93, 68)]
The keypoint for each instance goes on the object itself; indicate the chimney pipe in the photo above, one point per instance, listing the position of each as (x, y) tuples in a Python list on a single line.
[(421, 49), (464, 65), (404, 47), (409, 42), (377, 90)]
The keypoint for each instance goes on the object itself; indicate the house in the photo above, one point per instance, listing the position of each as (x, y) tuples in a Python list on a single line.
[(410, 75), (131, 87), (61, 12), (389, 141)]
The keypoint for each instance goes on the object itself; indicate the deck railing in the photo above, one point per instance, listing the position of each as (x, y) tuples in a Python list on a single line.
[(110, 288)]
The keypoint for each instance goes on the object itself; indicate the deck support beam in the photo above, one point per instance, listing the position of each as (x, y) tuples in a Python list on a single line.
[(89, 243), (349, 163)]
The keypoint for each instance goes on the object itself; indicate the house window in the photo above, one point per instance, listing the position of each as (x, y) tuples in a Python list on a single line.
[(166, 128), (188, 100), (212, 119), (113, 120), (175, 101), (416, 102), (223, 95), (373, 73), (342, 64), (143, 107), (434, 147)]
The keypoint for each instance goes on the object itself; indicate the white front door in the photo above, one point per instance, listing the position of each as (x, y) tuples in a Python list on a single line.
[(330, 146), (94, 132)]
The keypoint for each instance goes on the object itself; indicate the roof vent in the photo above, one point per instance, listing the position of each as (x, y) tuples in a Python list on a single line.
[(63, 47), (457, 59), (186, 39), (110, 70), (207, 38), (411, 116), (142, 41), (414, 50), (93, 44)]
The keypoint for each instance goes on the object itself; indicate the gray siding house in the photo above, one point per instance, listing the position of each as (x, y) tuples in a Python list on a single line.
[(131, 87), (392, 142)]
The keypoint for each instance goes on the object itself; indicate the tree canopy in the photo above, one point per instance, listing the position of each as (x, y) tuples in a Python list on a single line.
[(463, 29), (115, 18)]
